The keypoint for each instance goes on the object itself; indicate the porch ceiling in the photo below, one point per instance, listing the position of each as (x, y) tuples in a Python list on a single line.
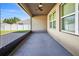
[(33, 8)]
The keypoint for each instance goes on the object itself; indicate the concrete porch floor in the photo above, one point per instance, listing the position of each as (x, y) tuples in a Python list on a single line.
[(40, 44)]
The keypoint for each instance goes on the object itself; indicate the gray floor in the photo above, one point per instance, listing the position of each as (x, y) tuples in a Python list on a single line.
[(40, 44)]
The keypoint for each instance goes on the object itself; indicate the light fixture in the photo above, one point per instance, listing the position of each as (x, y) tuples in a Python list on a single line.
[(40, 5)]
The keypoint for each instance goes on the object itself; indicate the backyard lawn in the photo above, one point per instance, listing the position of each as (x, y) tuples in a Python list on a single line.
[(3, 32)]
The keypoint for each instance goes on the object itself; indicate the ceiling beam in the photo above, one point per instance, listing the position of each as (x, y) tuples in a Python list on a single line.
[(25, 8)]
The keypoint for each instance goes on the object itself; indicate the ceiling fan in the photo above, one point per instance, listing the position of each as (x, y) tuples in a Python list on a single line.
[(40, 7)]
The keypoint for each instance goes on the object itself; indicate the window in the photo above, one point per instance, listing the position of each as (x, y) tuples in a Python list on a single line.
[(70, 21), (53, 20), (50, 21), (68, 8)]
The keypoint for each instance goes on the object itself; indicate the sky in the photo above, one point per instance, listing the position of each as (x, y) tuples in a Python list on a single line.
[(8, 10)]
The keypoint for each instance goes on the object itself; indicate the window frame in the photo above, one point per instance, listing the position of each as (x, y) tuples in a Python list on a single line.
[(54, 19), (76, 13)]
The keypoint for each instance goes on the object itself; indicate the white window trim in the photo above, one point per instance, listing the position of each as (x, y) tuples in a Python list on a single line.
[(69, 32), (76, 13), (76, 19), (68, 15)]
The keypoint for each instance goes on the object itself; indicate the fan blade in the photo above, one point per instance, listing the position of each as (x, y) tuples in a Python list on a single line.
[(40, 9)]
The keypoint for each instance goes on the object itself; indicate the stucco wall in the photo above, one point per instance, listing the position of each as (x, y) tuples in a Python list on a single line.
[(68, 41), (39, 23)]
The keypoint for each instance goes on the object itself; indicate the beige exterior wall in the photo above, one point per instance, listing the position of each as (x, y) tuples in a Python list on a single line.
[(39, 23), (68, 41)]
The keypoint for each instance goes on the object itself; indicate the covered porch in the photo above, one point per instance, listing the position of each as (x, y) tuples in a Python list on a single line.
[(42, 39), (39, 42)]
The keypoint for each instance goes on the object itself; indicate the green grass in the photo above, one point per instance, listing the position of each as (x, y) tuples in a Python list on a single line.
[(3, 32)]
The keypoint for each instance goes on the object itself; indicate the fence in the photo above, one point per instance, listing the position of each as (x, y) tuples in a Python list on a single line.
[(4, 26)]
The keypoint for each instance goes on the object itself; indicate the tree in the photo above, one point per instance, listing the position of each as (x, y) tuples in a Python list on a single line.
[(5, 20), (11, 20), (16, 19)]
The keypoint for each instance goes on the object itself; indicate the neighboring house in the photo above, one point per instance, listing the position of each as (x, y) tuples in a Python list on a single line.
[(24, 22)]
